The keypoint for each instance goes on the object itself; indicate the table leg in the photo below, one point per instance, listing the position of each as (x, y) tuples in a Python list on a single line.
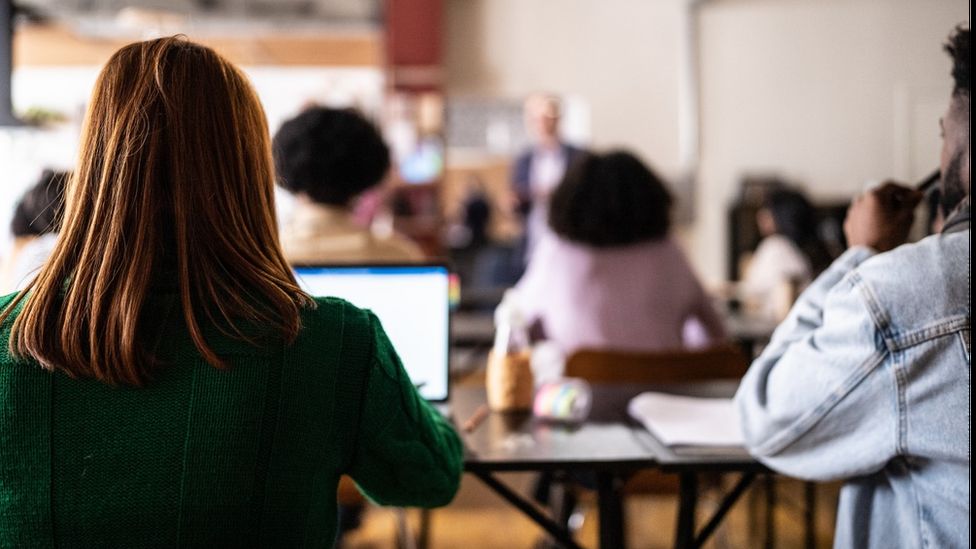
[(405, 539), (809, 514), (557, 531), (687, 505), (563, 502), (423, 532), (748, 347), (610, 502), (724, 507), (769, 483)]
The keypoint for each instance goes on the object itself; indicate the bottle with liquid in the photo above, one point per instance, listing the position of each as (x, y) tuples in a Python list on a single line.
[(509, 373)]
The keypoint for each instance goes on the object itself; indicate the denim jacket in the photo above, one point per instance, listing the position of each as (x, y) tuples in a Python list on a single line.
[(867, 380)]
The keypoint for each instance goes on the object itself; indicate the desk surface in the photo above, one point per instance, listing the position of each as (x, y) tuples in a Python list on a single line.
[(608, 440), (519, 442)]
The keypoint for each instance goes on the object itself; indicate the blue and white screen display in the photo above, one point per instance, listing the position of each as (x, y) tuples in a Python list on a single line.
[(410, 301)]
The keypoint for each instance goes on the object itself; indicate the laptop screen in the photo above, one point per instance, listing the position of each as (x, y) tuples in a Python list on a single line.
[(412, 302)]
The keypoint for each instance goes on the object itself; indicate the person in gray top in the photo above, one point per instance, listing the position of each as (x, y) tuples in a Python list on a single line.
[(867, 379)]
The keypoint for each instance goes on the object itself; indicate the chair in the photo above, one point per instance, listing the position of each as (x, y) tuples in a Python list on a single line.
[(652, 368), (605, 366)]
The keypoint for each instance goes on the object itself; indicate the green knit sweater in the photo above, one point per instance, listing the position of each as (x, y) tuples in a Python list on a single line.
[(200, 457)]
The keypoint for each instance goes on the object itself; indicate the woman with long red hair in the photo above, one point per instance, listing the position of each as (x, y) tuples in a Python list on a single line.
[(163, 380)]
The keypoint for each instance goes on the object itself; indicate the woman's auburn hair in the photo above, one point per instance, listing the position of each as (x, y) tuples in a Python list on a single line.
[(174, 180)]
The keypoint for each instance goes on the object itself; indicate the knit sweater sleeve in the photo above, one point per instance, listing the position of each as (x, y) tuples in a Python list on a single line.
[(407, 454)]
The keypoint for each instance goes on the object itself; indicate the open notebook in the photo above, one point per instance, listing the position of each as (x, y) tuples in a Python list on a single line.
[(689, 424)]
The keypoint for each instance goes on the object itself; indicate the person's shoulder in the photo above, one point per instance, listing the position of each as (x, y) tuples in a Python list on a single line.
[(910, 264), (553, 250), (782, 254), (396, 247), (921, 282), (775, 242), (669, 255), (779, 247), (523, 158), (664, 249), (337, 312), (5, 302), (332, 315), (338, 321), (571, 150), (7, 326)]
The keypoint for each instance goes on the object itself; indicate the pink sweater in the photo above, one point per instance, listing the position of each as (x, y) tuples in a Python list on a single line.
[(636, 297)]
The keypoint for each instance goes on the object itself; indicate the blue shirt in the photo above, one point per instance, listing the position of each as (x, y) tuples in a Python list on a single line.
[(867, 380)]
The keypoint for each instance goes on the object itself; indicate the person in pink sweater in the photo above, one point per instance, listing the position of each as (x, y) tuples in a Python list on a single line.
[(608, 276)]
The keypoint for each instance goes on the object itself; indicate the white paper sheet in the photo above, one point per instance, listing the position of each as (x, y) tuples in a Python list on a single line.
[(688, 421)]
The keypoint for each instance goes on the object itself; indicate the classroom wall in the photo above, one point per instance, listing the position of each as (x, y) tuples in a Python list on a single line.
[(832, 93), (619, 56)]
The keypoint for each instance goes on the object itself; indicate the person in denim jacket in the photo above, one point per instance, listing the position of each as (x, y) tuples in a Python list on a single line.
[(867, 379)]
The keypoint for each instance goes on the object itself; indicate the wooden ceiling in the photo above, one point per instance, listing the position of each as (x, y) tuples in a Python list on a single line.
[(55, 45)]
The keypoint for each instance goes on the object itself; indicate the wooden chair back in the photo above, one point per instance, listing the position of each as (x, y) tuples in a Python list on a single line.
[(607, 366)]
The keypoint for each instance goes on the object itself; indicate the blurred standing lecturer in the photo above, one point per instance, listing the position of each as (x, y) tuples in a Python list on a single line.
[(540, 168), (868, 378)]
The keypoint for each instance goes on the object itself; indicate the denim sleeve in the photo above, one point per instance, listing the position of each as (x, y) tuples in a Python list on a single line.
[(820, 403)]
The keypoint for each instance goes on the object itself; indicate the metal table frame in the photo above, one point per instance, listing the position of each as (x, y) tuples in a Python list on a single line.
[(610, 478)]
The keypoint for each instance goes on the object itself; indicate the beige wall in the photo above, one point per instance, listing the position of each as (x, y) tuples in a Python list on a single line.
[(61, 46), (830, 92), (620, 56)]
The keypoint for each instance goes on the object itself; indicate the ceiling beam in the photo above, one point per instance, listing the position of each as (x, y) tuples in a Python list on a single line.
[(55, 45)]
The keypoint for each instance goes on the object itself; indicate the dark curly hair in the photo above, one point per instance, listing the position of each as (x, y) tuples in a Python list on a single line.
[(958, 49), (40, 209), (608, 200), (330, 155)]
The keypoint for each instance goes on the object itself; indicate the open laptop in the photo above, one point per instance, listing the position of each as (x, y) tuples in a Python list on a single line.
[(413, 304)]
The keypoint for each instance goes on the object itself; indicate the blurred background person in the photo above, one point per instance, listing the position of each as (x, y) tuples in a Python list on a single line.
[(327, 158), (540, 168), (34, 227), (788, 257), (608, 275)]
